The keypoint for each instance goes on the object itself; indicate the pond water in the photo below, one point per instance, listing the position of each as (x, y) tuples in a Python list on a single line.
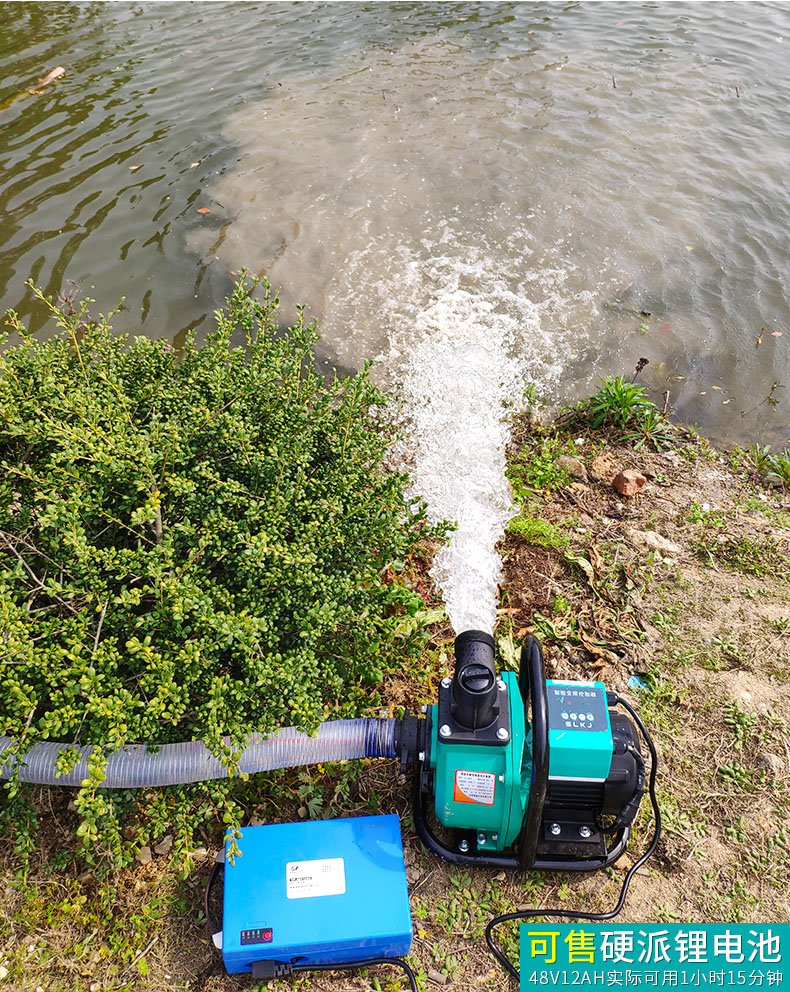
[(477, 195)]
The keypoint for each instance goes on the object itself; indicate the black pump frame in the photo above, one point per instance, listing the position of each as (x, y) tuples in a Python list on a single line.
[(532, 683)]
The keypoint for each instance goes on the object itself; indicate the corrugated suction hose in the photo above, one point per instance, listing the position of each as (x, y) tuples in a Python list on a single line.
[(136, 766)]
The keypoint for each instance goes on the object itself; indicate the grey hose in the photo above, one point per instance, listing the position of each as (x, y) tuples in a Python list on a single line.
[(136, 767)]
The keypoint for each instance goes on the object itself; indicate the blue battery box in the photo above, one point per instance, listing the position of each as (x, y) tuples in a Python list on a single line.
[(320, 892)]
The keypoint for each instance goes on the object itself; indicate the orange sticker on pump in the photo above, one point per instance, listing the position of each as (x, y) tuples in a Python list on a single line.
[(474, 787)]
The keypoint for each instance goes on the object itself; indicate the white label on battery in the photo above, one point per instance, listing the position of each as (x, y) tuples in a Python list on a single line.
[(306, 879), (474, 787)]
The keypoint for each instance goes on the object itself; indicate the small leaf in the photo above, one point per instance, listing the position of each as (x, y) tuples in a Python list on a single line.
[(203, 210)]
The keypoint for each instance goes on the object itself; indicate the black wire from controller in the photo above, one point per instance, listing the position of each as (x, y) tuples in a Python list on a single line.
[(573, 914)]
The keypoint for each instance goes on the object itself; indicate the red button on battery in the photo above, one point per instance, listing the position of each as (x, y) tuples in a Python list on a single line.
[(267, 935)]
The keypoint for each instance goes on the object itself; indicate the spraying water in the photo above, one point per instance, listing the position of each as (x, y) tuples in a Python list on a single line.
[(462, 374), (456, 383), (439, 207)]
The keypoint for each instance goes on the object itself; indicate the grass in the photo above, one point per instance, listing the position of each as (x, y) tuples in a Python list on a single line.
[(537, 530)]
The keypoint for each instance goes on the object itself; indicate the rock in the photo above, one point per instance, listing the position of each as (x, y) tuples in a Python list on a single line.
[(574, 466), (652, 539), (673, 458), (437, 977), (164, 846), (772, 479), (200, 852), (604, 466), (772, 764), (128, 832), (629, 482), (4, 972), (144, 856)]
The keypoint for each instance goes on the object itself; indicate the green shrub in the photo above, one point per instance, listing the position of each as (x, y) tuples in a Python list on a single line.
[(194, 544)]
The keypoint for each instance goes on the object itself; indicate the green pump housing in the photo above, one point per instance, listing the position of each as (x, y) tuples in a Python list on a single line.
[(483, 784), (484, 787)]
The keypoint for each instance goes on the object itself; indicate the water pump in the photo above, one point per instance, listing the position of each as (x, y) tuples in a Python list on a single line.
[(513, 771), (521, 771)]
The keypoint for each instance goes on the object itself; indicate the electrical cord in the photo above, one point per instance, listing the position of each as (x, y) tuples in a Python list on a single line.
[(573, 914), (279, 969)]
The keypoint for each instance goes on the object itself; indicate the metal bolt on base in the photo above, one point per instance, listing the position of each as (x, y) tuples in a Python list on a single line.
[(555, 829), (444, 730), (584, 831), (463, 846), (481, 838), (502, 734)]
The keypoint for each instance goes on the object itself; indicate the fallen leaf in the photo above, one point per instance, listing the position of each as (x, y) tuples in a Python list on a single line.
[(716, 387), (584, 564), (193, 165), (776, 334), (50, 77), (203, 210), (596, 560), (134, 168)]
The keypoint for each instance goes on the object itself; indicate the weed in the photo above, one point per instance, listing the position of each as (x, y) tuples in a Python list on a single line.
[(617, 403), (533, 398), (741, 723), (742, 553), (760, 461), (626, 408), (536, 469), (651, 427), (538, 531), (738, 775)]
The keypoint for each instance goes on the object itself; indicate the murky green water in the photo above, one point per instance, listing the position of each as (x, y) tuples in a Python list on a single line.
[(540, 170)]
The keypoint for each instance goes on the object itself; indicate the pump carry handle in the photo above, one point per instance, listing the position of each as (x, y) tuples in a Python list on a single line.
[(532, 683)]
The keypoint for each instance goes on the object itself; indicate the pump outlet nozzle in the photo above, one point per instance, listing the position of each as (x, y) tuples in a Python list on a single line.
[(474, 687)]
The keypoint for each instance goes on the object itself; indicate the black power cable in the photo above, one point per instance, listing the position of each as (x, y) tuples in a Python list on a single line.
[(573, 914), (279, 969)]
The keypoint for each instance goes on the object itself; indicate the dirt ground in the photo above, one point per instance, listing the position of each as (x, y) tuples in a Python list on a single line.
[(684, 585)]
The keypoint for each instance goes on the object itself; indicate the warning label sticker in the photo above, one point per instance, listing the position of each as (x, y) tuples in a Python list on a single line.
[(474, 787), (307, 879)]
